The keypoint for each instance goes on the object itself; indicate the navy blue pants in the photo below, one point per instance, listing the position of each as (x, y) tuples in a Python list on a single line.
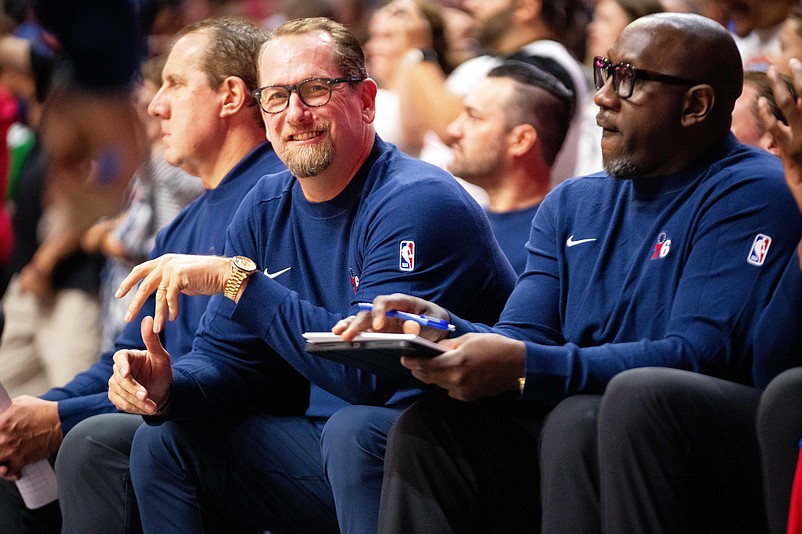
[(353, 445), (262, 472)]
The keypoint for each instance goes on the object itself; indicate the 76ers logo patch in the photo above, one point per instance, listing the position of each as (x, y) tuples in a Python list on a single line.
[(662, 246), (407, 253), (760, 248)]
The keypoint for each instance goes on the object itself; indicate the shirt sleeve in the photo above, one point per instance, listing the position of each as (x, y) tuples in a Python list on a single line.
[(778, 343), (87, 393), (469, 278), (711, 319)]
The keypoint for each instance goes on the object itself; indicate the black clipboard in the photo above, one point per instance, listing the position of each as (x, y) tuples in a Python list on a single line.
[(374, 352)]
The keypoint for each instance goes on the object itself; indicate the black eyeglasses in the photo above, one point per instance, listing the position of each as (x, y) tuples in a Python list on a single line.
[(314, 92), (624, 76)]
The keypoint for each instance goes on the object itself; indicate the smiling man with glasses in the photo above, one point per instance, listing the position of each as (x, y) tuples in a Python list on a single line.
[(352, 218), (314, 92)]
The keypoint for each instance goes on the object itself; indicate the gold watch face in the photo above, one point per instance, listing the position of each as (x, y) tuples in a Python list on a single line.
[(244, 264)]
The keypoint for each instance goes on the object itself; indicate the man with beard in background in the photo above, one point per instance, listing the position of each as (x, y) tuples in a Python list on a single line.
[(524, 30)]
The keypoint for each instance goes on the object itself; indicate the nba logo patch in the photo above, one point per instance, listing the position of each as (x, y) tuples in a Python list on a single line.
[(407, 255), (760, 248)]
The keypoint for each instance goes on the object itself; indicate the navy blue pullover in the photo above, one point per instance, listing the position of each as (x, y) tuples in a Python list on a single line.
[(667, 271)]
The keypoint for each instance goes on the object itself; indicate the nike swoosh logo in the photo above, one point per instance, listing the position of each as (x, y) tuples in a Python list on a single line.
[(273, 275), (572, 243)]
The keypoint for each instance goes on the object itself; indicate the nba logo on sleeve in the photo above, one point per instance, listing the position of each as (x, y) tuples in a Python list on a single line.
[(760, 247), (407, 255)]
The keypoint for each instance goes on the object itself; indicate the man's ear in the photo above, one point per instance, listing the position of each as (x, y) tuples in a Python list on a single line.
[(367, 90), (521, 139), (698, 104), (768, 142), (527, 11), (234, 95)]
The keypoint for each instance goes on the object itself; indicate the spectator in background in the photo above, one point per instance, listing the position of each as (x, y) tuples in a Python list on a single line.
[(461, 46), (29, 316), (505, 141), (158, 192), (8, 116), (54, 290), (397, 30), (747, 125), (167, 20), (609, 18), (790, 42), (756, 26), (90, 120), (526, 30), (401, 33), (707, 8)]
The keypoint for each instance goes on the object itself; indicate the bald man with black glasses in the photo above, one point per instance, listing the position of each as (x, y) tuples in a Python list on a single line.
[(665, 259)]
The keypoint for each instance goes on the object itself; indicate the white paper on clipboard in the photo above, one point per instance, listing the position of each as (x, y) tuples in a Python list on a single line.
[(37, 483)]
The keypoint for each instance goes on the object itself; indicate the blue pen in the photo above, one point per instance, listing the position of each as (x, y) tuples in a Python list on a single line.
[(424, 320)]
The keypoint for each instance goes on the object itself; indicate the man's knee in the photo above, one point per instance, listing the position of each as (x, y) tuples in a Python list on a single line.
[(638, 398), (570, 429), (782, 393), (97, 440), (360, 428)]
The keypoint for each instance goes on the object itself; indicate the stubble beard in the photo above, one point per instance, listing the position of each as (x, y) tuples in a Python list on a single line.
[(308, 160), (622, 167), (489, 33), (477, 171)]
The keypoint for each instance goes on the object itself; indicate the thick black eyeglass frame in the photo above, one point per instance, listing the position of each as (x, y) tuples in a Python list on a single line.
[(602, 64), (330, 82)]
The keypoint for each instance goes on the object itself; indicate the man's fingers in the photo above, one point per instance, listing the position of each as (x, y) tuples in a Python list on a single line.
[(782, 93), (350, 327), (795, 66), (777, 129), (414, 363), (411, 327), (137, 273), (167, 294), (124, 391), (161, 308), (130, 404), (129, 396), (8, 472), (153, 344), (173, 292), (148, 285)]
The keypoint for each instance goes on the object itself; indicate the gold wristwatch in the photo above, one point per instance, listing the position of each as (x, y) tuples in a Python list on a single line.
[(241, 268)]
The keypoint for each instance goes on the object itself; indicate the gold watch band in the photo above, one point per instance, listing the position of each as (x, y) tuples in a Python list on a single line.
[(233, 284), (241, 268)]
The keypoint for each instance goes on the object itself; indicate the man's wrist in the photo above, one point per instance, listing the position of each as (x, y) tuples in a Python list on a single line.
[(164, 407), (240, 269)]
